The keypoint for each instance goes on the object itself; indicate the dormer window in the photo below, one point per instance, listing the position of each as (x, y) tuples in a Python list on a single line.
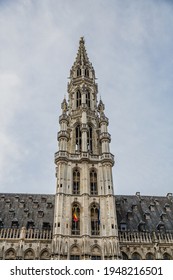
[(46, 226), (134, 207), (163, 216), (147, 215), (30, 224), (161, 226), (14, 223), (152, 207), (129, 215), (167, 207), (123, 226), (141, 226)]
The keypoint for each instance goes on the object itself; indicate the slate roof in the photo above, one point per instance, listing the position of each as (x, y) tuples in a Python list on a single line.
[(22, 209), (145, 213), (134, 212)]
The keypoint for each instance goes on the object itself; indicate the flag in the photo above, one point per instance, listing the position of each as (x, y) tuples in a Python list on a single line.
[(75, 217)]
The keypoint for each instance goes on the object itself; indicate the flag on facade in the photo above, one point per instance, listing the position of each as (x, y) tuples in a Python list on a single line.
[(75, 217)]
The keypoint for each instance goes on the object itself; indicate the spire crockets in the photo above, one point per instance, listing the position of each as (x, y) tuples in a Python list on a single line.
[(82, 67)]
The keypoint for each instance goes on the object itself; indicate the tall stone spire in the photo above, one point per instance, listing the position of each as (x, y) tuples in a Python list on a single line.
[(85, 224)]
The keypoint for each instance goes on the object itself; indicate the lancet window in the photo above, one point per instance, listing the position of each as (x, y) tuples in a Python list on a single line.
[(75, 219), (93, 182), (78, 72), (76, 182), (86, 72), (88, 102), (95, 220), (78, 99), (89, 139), (78, 138)]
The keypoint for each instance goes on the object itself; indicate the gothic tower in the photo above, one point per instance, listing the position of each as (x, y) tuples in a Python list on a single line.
[(85, 223)]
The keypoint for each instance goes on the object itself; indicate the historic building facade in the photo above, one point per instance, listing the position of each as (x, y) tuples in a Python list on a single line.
[(84, 219)]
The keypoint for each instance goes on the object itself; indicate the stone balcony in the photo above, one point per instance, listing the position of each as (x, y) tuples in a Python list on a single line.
[(84, 155)]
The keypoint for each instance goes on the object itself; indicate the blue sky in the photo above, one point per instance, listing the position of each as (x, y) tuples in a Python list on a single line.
[(130, 46)]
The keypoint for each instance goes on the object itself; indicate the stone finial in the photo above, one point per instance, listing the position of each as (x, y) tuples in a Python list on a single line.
[(64, 106)]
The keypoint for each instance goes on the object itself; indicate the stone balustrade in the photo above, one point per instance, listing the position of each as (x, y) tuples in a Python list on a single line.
[(13, 233), (145, 237)]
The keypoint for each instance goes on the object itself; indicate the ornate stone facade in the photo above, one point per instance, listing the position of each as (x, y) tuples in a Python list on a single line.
[(84, 219)]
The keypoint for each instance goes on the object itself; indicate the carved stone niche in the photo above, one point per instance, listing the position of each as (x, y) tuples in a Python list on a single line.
[(29, 255), (10, 255), (45, 255)]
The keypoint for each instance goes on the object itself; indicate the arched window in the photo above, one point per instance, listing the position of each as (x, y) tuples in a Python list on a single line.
[(29, 255), (78, 99), (93, 182), (89, 139), (78, 72), (124, 255), (75, 253), (96, 253), (86, 72), (88, 98), (76, 182), (78, 138), (149, 256), (95, 220), (10, 254), (45, 255), (75, 219), (166, 256), (136, 256)]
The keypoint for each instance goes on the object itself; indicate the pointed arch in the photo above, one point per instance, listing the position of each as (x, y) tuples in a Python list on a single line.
[(136, 256), (76, 181), (93, 182), (124, 256), (44, 255), (29, 254), (149, 256), (10, 254), (96, 252), (166, 256), (75, 229), (95, 219), (75, 252)]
